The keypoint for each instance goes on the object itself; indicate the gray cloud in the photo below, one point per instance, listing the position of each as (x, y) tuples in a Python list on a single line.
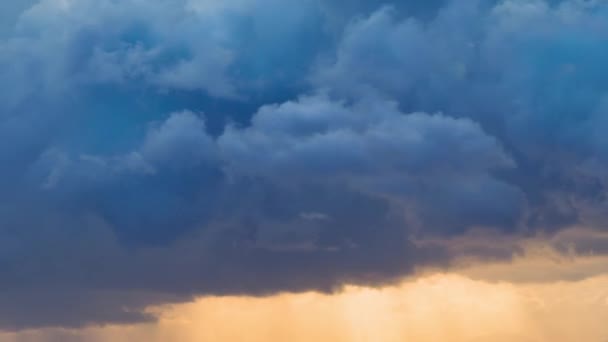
[(154, 151)]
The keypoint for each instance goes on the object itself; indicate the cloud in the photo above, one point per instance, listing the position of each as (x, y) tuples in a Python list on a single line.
[(373, 137), (158, 150), (431, 308), (527, 71), (183, 198), (374, 147)]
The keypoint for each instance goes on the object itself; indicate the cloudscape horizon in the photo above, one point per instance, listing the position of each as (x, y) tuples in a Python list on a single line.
[(319, 170)]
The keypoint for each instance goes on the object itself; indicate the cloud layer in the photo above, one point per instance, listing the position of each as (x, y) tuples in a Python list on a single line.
[(153, 151)]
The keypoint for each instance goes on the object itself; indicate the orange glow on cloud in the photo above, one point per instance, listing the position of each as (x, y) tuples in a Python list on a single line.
[(437, 308), (440, 307)]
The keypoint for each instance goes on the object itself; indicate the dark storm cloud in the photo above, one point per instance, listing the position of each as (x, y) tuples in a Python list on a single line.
[(157, 150), (528, 71), (375, 148)]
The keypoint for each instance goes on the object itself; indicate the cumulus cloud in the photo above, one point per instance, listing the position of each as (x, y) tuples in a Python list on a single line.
[(374, 147), (319, 135), (527, 71), (157, 150)]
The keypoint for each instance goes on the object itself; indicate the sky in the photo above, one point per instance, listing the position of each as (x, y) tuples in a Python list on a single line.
[(327, 170)]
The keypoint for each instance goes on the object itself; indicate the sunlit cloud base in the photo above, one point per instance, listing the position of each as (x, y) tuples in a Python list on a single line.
[(464, 305)]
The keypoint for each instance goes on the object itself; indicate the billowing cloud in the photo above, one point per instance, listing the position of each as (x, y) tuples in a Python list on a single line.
[(374, 147), (528, 71), (153, 151)]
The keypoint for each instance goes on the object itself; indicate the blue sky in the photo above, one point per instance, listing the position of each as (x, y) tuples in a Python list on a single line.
[(156, 151)]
